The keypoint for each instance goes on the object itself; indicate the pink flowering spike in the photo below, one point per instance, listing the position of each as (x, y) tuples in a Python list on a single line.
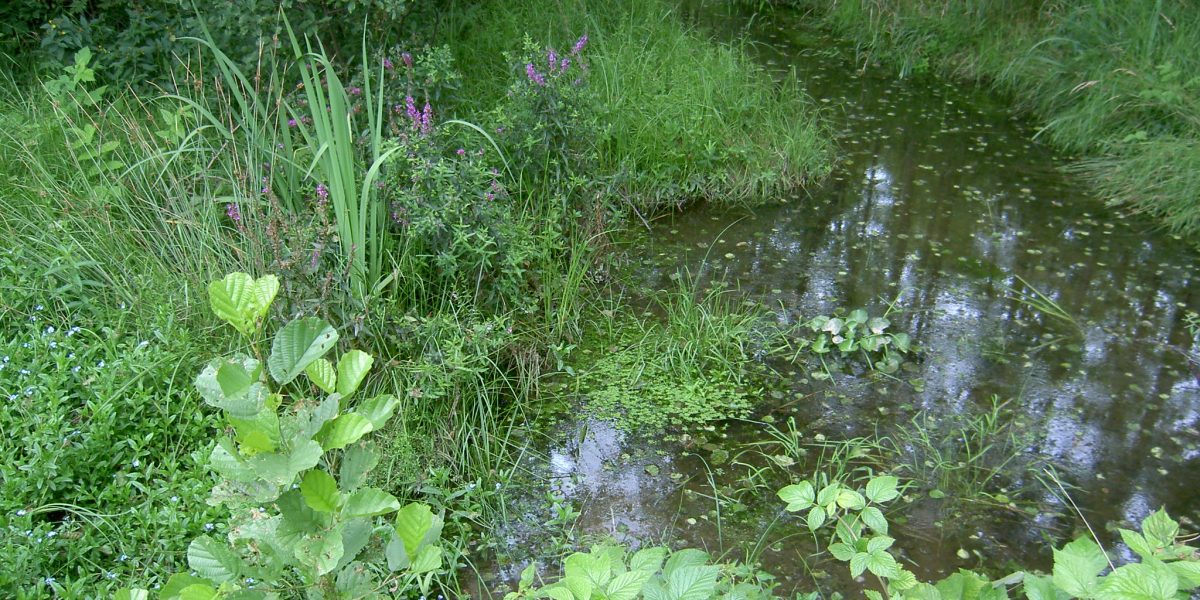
[(387, 64), (579, 45), (427, 120), (413, 115), (552, 60), (407, 59), (562, 65), (231, 210)]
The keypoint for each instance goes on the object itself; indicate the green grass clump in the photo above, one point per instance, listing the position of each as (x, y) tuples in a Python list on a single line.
[(681, 118), (1112, 81)]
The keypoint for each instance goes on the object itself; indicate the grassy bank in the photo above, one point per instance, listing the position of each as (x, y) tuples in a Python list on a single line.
[(1111, 82), (677, 117)]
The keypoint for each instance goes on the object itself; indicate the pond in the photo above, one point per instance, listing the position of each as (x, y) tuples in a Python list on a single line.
[(1018, 288)]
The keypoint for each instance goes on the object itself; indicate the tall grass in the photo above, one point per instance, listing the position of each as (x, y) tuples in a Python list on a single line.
[(683, 118), (1111, 81)]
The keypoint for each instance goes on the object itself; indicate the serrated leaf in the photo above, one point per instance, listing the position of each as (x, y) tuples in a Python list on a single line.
[(1137, 543), (234, 299), (370, 502), (684, 558), (137, 594), (816, 518), (798, 496), (883, 488), (873, 518), (648, 559), (627, 585), (1077, 567), (904, 580), (841, 551), (378, 410), (850, 499), (352, 368), (1149, 580), (322, 374), (858, 563), (1041, 587), (596, 568), (356, 534), (1188, 572), (693, 582), (882, 564), (527, 575), (213, 560), (1160, 529), (828, 494), (320, 491), (879, 542), (297, 345), (343, 431), (199, 591)]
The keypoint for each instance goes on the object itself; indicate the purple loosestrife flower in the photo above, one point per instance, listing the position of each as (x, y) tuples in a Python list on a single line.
[(533, 75), (411, 108), (461, 152), (322, 192), (427, 119), (355, 91), (552, 60), (407, 59), (579, 45), (562, 65), (291, 122), (231, 210), (387, 64)]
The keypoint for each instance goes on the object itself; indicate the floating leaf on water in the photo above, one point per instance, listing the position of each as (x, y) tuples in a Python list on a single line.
[(652, 470)]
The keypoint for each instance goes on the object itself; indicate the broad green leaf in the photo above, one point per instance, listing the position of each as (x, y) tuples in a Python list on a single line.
[(1077, 567), (179, 581), (355, 580), (378, 410), (879, 542), (1137, 543), (904, 580), (297, 345), (872, 595), (224, 459), (901, 341), (322, 374), (199, 591), (137, 594), (858, 563), (213, 560), (1041, 587), (1149, 580), (259, 433), (581, 588), (352, 367), (964, 584), (1160, 529), (627, 585), (369, 502), (558, 591), (648, 559), (850, 499), (427, 560), (693, 582), (281, 469), (857, 315), (873, 517), (236, 301), (841, 551), (882, 564), (684, 558), (320, 491), (320, 551), (527, 575), (397, 557), (356, 534), (816, 518), (413, 522), (883, 488), (1188, 572), (343, 431), (230, 385), (357, 462), (596, 568), (798, 496), (828, 494)]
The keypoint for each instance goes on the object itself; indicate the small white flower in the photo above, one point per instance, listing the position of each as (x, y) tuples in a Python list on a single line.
[(50, 329), (75, 369), (136, 463), (53, 345), (208, 526), (24, 371), (174, 498), (143, 343), (21, 512), (38, 307), (49, 580), (123, 558), (100, 364)]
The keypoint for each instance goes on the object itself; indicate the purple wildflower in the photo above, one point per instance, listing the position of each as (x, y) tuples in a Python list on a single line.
[(322, 194), (387, 64), (231, 210), (355, 91), (411, 108), (579, 45), (552, 60), (291, 122), (407, 58), (562, 65), (533, 75), (427, 119), (461, 152)]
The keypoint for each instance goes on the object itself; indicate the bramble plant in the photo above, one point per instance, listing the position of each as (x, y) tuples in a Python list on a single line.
[(292, 475), (1169, 569)]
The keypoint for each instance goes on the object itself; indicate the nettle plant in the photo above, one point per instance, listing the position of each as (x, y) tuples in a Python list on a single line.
[(292, 471), (856, 335), (1169, 569), (655, 573)]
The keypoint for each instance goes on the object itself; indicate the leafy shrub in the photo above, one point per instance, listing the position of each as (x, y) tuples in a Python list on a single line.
[(284, 456)]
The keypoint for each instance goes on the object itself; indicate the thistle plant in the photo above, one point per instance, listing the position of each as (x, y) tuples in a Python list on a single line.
[(292, 469)]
